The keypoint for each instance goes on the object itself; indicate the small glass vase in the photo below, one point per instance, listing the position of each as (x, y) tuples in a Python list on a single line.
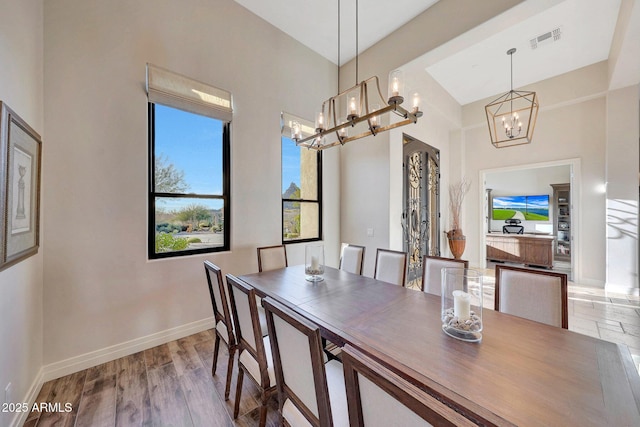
[(314, 263), (462, 303)]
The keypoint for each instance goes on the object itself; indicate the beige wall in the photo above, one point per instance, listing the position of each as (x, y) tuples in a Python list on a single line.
[(586, 141), (572, 123), (622, 155), (572, 128), (21, 284), (100, 288)]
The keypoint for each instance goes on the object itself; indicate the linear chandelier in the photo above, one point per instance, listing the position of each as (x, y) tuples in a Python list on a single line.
[(512, 116), (357, 112)]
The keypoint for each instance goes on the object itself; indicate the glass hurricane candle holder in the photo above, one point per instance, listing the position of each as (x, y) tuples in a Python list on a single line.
[(462, 303), (314, 263)]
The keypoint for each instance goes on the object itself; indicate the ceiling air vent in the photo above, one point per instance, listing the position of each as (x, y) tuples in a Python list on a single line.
[(546, 38)]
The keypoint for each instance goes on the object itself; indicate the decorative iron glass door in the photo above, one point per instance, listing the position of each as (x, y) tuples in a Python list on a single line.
[(421, 207)]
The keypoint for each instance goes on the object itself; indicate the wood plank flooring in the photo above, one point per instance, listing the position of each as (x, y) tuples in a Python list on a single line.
[(168, 385), (171, 385)]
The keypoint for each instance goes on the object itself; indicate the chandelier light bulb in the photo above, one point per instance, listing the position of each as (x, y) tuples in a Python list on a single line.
[(353, 105), (319, 122), (296, 133), (374, 120)]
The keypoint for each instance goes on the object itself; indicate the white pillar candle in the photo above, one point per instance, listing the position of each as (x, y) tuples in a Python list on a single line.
[(461, 305), (314, 263)]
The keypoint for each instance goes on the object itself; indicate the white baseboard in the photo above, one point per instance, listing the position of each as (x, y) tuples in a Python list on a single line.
[(87, 360), (32, 393), (78, 363)]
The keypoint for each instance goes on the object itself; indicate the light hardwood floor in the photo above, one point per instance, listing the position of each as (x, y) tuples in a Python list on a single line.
[(171, 385), (168, 385)]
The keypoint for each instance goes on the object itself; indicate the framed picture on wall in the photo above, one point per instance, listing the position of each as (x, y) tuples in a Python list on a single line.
[(20, 152)]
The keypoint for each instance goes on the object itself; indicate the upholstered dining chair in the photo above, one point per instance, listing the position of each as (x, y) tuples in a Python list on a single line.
[(224, 324), (391, 266), (311, 391), (432, 272), (378, 397), (272, 257), (352, 258), (533, 294), (254, 350)]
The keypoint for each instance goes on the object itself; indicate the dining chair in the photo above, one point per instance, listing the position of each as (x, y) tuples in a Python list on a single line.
[(223, 322), (533, 294), (254, 350), (378, 397), (311, 390), (432, 272), (272, 257), (352, 258), (391, 266)]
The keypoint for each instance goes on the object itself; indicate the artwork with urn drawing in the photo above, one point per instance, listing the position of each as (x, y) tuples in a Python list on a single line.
[(20, 195)]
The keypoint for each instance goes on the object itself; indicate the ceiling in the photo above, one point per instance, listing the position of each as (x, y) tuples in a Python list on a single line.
[(314, 23), (474, 65)]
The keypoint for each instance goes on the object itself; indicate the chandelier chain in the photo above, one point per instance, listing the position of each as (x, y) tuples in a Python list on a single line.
[(338, 84), (357, 53)]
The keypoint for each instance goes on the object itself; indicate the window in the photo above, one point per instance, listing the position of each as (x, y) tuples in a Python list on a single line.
[(301, 187), (189, 166)]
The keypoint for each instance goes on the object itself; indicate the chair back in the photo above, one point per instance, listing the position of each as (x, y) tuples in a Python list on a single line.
[(247, 324), (272, 257), (378, 397), (533, 294), (220, 302), (391, 266), (299, 366), (432, 272), (352, 259)]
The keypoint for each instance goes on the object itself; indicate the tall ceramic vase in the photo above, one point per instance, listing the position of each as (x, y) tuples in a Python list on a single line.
[(457, 242)]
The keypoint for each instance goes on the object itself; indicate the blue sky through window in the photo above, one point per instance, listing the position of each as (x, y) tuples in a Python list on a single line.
[(193, 144), (290, 163)]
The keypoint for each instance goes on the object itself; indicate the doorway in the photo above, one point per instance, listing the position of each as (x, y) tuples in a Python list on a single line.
[(421, 205), (535, 179)]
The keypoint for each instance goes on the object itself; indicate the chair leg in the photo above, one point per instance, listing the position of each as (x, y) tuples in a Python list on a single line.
[(236, 404), (263, 409), (227, 388), (216, 350)]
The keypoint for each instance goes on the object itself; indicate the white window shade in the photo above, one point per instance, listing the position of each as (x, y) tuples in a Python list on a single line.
[(307, 127), (175, 90)]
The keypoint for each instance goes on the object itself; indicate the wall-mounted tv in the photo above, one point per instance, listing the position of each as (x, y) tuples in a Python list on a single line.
[(527, 208)]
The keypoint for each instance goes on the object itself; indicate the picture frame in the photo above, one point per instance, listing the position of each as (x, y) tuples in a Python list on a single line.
[(20, 165)]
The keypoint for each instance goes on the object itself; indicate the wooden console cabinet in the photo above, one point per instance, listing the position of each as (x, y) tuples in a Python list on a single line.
[(530, 250)]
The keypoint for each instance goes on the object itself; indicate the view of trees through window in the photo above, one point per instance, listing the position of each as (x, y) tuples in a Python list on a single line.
[(301, 193), (187, 198)]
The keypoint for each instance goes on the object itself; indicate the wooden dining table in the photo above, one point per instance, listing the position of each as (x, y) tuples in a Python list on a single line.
[(522, 372)]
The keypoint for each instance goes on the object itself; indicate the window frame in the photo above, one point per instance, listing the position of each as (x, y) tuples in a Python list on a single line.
[(318, 201), (152, 194)]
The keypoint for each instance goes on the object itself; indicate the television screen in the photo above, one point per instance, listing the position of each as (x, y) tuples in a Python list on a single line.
[(527, 208)]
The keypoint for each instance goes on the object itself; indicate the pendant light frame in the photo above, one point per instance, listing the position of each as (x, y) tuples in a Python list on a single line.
[(512, 116)]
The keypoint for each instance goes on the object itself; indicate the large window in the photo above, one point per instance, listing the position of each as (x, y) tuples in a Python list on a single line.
[(189, 166), (301, 189)]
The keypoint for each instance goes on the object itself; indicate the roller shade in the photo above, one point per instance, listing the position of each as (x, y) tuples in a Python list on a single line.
[(175, 90), (307, 127)]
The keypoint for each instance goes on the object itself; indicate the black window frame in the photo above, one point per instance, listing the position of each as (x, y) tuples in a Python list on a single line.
[(225, 197), (318, 201)]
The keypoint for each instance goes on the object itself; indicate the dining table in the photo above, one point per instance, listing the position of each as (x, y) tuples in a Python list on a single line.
[(521, 373)]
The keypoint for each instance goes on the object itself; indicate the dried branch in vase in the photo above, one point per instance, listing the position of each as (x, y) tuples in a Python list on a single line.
[(457, 192)]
